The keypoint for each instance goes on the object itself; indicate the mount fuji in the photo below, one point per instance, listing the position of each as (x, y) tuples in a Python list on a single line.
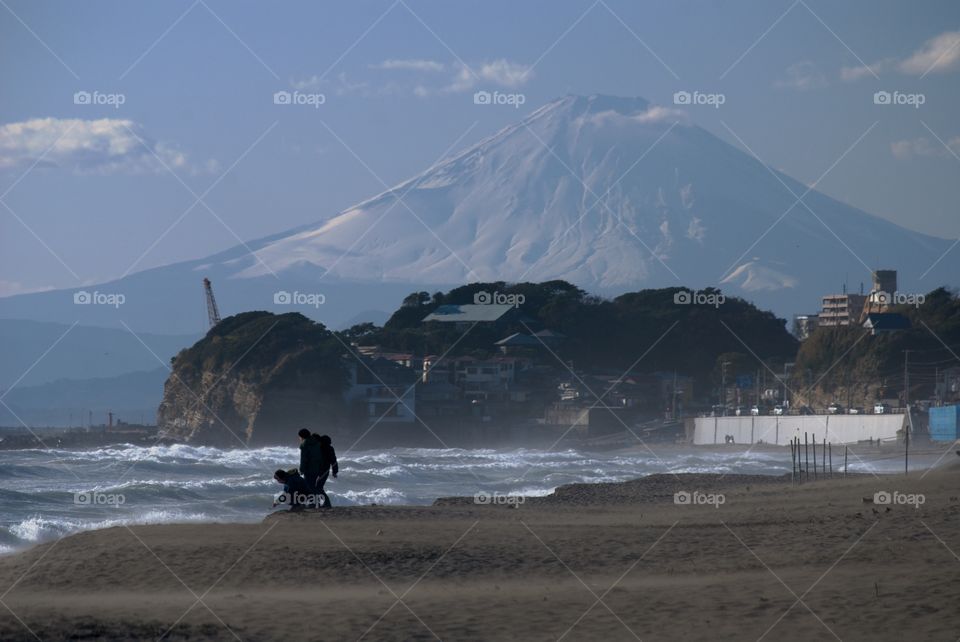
[(612, 194)]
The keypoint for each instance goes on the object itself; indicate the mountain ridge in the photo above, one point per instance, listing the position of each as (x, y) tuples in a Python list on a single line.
[(610, 193)]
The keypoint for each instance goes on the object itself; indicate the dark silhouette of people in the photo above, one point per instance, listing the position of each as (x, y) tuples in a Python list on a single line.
[(328, 465), (296, 490), (310, 456)]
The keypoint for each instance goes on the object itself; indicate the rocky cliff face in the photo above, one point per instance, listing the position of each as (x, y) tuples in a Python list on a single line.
[(255, 379)]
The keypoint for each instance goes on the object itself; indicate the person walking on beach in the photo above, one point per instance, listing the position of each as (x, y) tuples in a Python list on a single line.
[(328, 465), (310, 456)]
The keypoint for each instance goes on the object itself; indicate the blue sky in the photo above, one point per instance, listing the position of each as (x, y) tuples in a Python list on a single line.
[(92, 191)]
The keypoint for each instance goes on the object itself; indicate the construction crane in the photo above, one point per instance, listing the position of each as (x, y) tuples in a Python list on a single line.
[(213, 314)]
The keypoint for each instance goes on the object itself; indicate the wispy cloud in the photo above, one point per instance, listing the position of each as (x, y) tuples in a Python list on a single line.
[(924, 147), (937, 55), (410, 64), (940, 53), (500, 73), (505, 73), (857, 72), (10, 288), (423, 77), (802, 76), (102, 146), (652, 115)]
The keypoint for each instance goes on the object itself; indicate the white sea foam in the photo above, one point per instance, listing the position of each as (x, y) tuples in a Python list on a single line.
[(182, 483)]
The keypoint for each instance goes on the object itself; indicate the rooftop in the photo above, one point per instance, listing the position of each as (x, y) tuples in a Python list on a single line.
[(469, 313)]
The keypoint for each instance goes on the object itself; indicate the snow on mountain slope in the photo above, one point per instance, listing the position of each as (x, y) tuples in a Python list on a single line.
[(609, 193)]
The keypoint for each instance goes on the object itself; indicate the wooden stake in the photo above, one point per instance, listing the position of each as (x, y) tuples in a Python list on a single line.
[(814, 459)]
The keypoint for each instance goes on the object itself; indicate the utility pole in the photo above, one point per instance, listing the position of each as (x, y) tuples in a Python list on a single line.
[(673, 412), (936, 385), (786, 365), (906, 378), (758, 388), (723, 387)]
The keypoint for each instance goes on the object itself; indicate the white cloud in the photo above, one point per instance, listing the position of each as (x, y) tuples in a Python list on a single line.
[(502, 73), (651, 115), (424, 77), (938, 54), (505, 73), (857, 72), (411, 64), (802, 76), (906, 149), (11, 288), (658, 114), (307, 83), (104, 146)]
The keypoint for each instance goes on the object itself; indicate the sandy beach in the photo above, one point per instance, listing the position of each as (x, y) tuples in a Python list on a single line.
[(605, 561)]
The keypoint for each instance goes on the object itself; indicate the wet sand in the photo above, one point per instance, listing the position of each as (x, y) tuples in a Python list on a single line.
[(591, 562)]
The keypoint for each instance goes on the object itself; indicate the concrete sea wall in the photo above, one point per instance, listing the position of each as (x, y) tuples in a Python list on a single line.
[(837, 429)]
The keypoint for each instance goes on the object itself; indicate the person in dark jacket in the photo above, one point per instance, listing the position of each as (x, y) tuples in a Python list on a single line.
[(310, 457), (296, 490), (328, 465)]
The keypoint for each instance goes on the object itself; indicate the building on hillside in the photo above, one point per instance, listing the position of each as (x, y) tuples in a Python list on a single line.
[(381, 390), (518, 342), (623, 391), (551, 338), (841, 310), (405, 359), (441, 399), (804, 325), (882, 322), (948, 385), (881, 294), (487, 379), (586, 421), (465, 316)]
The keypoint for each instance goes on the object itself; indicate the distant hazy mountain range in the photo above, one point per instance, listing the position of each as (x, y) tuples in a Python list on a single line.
[(54, 374), (132, 397), (612, 194)]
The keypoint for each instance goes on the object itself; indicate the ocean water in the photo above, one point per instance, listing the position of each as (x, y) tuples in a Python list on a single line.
[(170, 484)]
